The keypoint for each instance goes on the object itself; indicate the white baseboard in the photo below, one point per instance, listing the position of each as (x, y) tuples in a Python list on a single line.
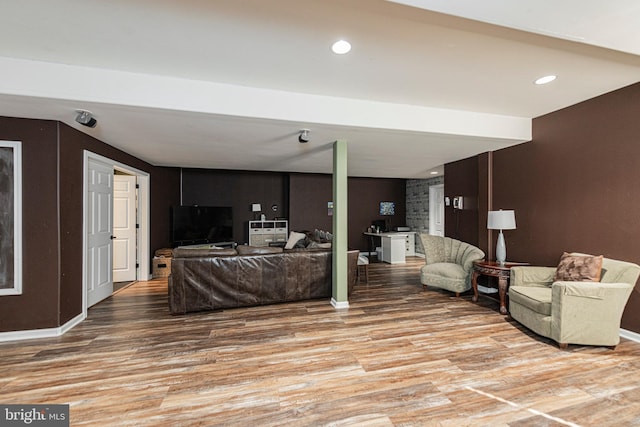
[(41, 333), (339, 305), (633, 336)]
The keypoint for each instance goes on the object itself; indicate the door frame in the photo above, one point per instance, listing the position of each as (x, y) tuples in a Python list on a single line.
[(432, 206), (130, 207), (143, 244)]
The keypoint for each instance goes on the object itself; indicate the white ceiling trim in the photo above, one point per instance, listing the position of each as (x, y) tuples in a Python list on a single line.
[(85, 84)]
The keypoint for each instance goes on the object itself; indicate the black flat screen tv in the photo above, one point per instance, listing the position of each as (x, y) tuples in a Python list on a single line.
[(195, 225)]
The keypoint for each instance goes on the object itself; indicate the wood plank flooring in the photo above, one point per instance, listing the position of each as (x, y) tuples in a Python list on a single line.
[(399, 356)]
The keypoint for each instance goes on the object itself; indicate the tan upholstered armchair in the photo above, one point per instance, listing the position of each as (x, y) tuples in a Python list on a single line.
[(449, 263), (585, 312)]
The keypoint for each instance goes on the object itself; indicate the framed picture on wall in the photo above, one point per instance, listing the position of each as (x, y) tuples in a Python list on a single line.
[(387, 208), (10, 218)]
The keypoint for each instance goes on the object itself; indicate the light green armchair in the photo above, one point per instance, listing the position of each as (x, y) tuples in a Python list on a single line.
[(586, 313), (449, 263)]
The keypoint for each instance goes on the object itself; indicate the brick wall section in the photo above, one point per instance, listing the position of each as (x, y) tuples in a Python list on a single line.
[(418, 206)]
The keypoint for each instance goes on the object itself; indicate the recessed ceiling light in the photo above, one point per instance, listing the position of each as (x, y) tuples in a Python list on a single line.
[(544, 80), (341, 47), (434, 172)]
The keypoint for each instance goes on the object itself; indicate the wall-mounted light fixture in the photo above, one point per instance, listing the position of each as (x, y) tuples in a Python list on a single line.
[(85, 118), (458, 202)]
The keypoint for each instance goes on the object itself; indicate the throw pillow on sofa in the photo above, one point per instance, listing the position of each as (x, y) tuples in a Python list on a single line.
[(294, 237), (579, 268), (322, 236)]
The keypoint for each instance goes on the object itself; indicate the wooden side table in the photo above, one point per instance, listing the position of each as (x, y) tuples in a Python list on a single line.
[(494, 269)]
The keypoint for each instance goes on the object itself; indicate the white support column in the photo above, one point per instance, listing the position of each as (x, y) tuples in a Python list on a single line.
[(340, 270)]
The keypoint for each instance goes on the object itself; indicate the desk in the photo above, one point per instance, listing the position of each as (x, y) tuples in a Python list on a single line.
[(393, 246), (494, 269)]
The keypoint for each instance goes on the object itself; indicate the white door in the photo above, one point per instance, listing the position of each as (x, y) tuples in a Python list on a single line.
[(124, 228), (436, 210), (99, 232)]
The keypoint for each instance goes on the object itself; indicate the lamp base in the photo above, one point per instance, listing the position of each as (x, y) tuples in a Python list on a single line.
[(501, 249)]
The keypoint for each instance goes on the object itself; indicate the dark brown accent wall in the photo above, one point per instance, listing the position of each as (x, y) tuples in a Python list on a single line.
[(238, 189), (308, 198), (365, 195), (574, 187), (302, 198), (165, 192), (52, 161), (37, 307), (462, 180), (309, 194)]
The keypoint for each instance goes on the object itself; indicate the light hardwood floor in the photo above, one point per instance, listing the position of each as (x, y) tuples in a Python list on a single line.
[(398, 356)]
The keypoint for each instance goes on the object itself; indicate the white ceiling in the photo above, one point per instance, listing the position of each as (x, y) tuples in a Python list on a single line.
[(228, 84)]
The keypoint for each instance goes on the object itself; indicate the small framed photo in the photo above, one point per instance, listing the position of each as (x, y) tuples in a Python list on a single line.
[(387, 208)]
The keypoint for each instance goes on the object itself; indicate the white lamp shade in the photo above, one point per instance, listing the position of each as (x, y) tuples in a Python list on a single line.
[(501, 220), (255, 207)]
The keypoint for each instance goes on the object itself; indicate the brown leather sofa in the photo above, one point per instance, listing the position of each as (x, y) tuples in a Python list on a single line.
[(214, 279)]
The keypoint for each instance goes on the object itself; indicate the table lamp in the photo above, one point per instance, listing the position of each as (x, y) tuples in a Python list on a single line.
[(255, 208), (501, 220)]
